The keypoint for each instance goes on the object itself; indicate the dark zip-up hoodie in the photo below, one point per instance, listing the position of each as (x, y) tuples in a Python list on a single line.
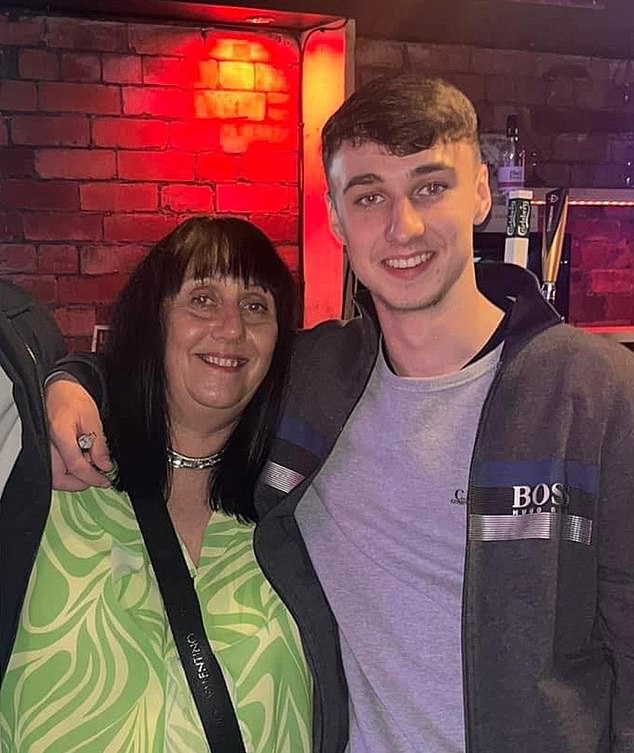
[(548, 607), (30, 343)]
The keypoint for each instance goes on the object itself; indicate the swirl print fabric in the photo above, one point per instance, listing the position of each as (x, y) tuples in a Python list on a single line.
[(95, 667)]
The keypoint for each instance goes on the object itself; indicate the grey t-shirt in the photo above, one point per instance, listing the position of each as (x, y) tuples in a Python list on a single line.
[(10, 430), (385, 526)]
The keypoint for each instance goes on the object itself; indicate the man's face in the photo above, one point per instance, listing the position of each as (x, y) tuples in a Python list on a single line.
[(408, 221)]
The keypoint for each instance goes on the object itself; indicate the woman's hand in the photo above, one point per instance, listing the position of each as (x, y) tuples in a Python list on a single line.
[(71, 413)]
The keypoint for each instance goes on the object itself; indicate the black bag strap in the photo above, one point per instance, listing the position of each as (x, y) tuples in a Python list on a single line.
[(201, 667)]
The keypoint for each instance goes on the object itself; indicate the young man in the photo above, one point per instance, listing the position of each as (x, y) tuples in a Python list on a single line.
[(30, 343), (448, 509)]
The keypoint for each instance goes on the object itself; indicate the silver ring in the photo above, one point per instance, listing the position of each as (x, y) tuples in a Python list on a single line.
[(86, 440)]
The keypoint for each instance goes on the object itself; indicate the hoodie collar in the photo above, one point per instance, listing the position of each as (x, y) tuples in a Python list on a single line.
[(501, 284)]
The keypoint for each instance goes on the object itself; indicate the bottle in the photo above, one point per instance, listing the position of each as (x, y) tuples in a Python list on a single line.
[(511, 168)]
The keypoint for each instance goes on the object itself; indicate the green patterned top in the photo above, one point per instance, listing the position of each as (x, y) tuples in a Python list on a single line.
[(95, 668)]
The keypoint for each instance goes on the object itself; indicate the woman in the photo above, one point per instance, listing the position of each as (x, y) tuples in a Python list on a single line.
[(195, 368)]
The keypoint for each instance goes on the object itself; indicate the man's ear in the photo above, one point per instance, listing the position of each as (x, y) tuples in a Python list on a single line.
[(483, 195), (333, 218)]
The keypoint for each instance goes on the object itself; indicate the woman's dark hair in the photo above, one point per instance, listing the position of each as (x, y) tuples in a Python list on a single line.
[(137, 425), (403, 113)]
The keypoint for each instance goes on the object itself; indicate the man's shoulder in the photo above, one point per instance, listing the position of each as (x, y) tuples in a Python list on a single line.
[(588, 357)]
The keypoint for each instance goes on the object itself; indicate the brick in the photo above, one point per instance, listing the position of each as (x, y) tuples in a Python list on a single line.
[(122, 69), (250, 197), (230, 104), (9, 62), (612, 281), (590, 94), (557, 92), (97, 260), (80, 67), (378, 53), (33, 194), (236, 75), (171, 71), (619, 309), (77, 34), (581, 147), (207, 76), (78, 344), (62, 226), (255, 166), (598, 176), (129, 133), (155, 39), (271, 78), (554, 173), (251, 46), (50, 130), (290, 256), (138, 228), (158, 102), (42, 287), (187, 198), (571, 120), (114, 197), (38, 64), (76, 321), (502, 62), (439, 58), (603, 255), (218, 166), (269, 168), (4, 134), (237, 138), (500, 89), (98, 99), (17, 257), (96, 164), (156, 165), (18, 96), (16, 162), (98, 289), (279, 227), (470, 84), (11, 226), (57, 259), (21, 31), (194, 134), (586, 309)]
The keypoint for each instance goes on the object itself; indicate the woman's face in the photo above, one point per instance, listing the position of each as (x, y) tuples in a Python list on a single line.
[(220, 337)]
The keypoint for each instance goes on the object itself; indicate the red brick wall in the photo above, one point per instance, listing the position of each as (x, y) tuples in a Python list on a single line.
[(112, 133), (602, 265)]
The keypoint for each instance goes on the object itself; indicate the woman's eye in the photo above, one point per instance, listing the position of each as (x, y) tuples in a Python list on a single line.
[(202, 300), (369, 200), (255, 307)]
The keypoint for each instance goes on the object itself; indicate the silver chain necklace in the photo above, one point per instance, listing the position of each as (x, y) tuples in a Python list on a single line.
[(177, 460)]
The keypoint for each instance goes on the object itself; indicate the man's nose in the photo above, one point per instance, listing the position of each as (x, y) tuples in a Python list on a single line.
[(405, 222)]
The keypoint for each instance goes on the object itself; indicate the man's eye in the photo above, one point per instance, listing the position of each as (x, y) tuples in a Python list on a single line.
[(432, 189), (369, 200)]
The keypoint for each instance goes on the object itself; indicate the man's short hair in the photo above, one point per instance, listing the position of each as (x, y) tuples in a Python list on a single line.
[(404, 114)]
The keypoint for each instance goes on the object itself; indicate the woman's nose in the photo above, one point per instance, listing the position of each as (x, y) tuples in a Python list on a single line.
[(229, 324)]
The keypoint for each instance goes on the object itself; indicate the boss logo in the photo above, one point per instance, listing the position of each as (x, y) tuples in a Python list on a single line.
[(528, 499)]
